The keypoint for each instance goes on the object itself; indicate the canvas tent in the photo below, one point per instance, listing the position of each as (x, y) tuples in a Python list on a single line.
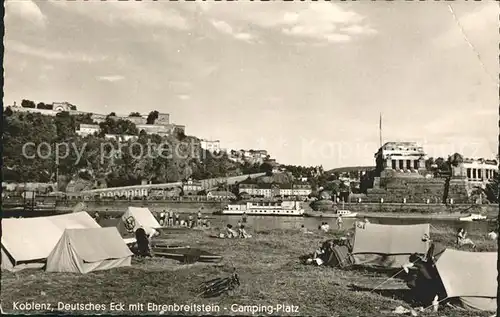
[(86, 250), (388, 246), (471, 277), (135, 218), (27, 242)]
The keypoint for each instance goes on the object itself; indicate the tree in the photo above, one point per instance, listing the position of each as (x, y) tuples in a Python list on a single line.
[(27, 104), (152, 116), (120, 127), (455, 160), (134, 114), (266, 168), (96, 161), (112, 114), (180, 135), (491, 191), (429, 164), (8, 112), (42, 105)]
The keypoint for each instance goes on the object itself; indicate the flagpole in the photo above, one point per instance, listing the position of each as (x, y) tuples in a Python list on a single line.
[(380, 129)]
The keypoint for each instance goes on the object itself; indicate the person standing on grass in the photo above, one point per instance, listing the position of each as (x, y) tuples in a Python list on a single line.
[(340, 222), (162, 218), (170, 218), (199, 218), (177, 220)]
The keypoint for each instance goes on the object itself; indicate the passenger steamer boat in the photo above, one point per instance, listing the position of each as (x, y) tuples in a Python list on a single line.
[(264, 208)]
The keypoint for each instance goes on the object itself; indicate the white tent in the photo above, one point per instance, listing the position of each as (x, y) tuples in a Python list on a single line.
[(135, 218), (86, 250), (27, 242), (389, 246), (470, 277)]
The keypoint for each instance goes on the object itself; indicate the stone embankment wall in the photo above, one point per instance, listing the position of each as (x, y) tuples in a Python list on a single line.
[(421, 208), (416, 190)]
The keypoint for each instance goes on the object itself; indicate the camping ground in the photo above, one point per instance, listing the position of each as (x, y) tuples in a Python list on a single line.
[(270, 273)]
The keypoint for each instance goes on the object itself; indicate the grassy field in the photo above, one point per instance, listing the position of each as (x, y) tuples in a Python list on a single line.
[(269, 269)]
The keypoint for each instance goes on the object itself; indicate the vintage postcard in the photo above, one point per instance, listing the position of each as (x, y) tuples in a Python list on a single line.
[(250, 158)]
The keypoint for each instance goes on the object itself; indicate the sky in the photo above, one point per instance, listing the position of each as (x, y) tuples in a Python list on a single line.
[(306, 81)]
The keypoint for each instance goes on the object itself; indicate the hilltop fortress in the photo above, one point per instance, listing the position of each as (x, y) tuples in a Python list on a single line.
[(161, 125)]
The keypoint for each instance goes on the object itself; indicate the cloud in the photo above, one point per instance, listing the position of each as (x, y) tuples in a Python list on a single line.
[(358, 29), (184, 97), (133, 13), (111, 78), (47, 54), (224, 27), (321, 21), (326, 22), (26, 10)]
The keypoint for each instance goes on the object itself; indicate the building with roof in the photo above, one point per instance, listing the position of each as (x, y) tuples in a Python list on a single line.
[(401, 157), (121, 137), (192, 187), (87, 129), (210, 145), (401, 176), (478, 172), (272, 190), (221, 195)]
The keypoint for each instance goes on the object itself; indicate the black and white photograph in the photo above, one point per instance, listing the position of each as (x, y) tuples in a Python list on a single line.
[(250, 158)]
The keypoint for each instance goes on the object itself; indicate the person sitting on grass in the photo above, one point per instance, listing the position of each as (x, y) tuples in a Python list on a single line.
[(463, 240), (325, 227), (230, 233), (153, 233), (143, 247), (242, 233), (321, 254), (303, 229)]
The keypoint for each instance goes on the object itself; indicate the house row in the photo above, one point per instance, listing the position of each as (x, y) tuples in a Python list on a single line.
[(271, 190)]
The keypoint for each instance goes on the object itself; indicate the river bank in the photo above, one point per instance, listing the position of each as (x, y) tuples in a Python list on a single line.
[(392, 215), (270, 273)]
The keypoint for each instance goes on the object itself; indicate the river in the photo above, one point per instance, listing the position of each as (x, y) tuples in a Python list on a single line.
[(268, 222)]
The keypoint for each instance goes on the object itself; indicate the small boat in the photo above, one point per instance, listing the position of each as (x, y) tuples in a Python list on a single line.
[(188, 255), (343, 212), (473, 217), (346, 213)]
